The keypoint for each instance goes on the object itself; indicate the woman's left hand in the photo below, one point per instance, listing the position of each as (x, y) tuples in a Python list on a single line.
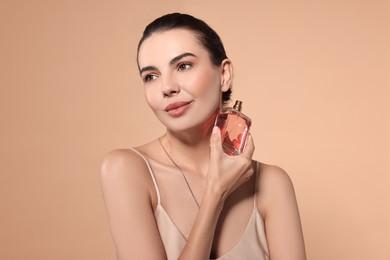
[(226, 173)]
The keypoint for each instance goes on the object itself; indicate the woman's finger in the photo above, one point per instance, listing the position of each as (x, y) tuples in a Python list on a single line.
[(249, 147), (215, 140)]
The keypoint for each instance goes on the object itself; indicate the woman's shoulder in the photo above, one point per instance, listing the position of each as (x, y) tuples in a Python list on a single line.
[(128, 170), (124, 163), (272, 173), (123, 157), (120, 158), (274, 185), (129, 161)]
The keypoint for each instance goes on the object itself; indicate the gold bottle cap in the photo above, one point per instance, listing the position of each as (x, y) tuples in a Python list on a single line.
[(238, 105)]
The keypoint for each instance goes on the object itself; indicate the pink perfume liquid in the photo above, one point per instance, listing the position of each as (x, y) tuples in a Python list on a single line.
[(234, 127)]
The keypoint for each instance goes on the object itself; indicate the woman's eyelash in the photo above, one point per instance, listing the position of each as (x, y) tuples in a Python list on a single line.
[(149, 77), (184, 66)]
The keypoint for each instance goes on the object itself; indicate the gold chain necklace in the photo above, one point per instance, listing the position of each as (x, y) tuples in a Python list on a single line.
[(182, 172)]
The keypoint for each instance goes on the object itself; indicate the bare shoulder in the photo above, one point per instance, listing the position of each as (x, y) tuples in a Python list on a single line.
[(275, 185), (273, 175), (119, 161), (125, 158), (122, 168)]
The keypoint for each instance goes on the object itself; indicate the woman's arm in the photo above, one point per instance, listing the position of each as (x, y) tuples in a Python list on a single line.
[(225, 174), (126, 189), (278, 205)]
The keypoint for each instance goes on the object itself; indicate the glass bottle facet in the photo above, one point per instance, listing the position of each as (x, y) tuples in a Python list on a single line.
[(234, 127)]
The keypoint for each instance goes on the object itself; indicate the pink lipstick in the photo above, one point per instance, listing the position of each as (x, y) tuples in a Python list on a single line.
[(178, 108)]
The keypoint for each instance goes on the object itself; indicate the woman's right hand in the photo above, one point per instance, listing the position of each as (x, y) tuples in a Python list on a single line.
[(226, 173)]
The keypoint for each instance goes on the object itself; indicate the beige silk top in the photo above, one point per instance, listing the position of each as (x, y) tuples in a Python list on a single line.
[(252, 245)]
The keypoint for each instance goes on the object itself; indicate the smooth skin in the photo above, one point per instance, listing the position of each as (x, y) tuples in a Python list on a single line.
[(175, 67)]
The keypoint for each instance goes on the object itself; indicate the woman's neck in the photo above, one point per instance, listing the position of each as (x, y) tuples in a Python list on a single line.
[(189, 149)]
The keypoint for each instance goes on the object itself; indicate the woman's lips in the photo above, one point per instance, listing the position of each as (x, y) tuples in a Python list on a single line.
[(177, 108)]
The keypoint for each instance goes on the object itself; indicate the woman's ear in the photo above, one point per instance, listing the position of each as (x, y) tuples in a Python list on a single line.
[(226, 75)]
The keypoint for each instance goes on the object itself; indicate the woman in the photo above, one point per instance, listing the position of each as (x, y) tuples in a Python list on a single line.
[(180, 196)]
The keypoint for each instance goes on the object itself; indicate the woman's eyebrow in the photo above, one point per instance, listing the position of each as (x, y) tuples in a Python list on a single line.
[(179, 57), (147, 68), (172, 62)]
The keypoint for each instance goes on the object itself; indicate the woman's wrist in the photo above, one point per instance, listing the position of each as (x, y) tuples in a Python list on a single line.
[(214, 197)]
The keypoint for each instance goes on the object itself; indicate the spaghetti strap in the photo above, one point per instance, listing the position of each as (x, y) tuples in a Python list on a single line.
[(256, 173), (151, 174)]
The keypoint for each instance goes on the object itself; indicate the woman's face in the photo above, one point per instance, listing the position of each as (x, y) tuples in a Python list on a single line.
[(182, 86)]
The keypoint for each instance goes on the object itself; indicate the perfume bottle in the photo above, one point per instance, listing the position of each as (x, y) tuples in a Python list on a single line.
[(234, 127)]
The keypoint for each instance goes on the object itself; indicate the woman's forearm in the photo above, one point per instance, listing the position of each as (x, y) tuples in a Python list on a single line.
[(200, 240)]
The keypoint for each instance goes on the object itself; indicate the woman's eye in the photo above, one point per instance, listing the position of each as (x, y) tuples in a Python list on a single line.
[(149, 77), (184, 66)]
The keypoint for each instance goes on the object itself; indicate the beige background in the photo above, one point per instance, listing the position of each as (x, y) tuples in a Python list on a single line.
[(314, 75)]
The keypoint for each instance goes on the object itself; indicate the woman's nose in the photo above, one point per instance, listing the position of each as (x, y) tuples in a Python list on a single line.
[(170, 87)]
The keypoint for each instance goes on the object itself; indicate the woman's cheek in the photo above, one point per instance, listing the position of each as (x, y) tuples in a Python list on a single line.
[(198, 84), (151, 99)]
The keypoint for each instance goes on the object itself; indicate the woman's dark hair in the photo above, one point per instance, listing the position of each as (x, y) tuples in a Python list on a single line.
[(204, 33)]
